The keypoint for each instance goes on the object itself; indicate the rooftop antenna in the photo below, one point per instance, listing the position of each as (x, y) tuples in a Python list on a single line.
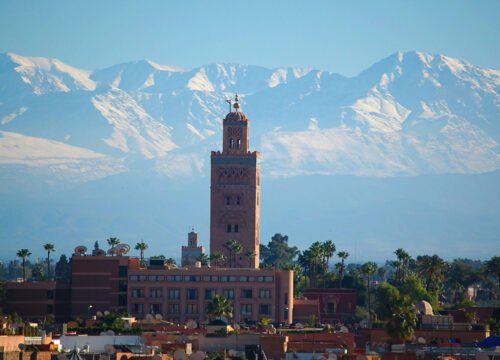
[(230, 104)]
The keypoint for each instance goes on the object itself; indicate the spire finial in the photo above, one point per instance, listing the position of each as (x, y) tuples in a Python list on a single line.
[(236, 104)]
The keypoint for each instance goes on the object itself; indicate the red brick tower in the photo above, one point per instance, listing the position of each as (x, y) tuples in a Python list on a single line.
[(235, 193)]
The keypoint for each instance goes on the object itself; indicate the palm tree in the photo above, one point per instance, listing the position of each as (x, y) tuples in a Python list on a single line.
[(217, 257), (49, 248), (369, 269), (141, 246), (234, 247), (404, 258), (112, 242), (170, 263), (328, 249), (23, 254), (203, 258), (432, 269), (219, 307), (251, 255), (343, 255), (402, 321)]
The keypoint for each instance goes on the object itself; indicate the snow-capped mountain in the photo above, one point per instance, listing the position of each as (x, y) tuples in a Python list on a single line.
[(411, 113)]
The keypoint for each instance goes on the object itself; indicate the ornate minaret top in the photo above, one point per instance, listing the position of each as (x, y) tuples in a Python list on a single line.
[(236, 132)]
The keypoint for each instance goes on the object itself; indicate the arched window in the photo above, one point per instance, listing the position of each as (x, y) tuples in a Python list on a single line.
[(238, 143), (231, 143)]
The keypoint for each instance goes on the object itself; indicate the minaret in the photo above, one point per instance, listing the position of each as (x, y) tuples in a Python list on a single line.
[(235, 193)]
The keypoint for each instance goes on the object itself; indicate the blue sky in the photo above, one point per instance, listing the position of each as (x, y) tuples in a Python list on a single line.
[(339, 36)]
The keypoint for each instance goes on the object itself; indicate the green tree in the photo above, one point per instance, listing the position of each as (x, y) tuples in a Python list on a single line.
[(141, 246), (251, 256), (402, 321), (343, 255), (37, 272), (219, 307), (432, 269), (328, 249), (369, 269), (112, 242), (217, 257), (203, 259), (49, 248), (404, 259), (492, 267), (170, 263), (23, 254), (278, 253), (385, 295), (234, 248)]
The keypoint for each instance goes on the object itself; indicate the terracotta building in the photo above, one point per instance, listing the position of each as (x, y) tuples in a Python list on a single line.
[(235, 192), (179, 295), (99, 283), (335, 304)]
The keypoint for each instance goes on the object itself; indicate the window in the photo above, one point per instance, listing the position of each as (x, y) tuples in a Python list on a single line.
[(122, 286), (192, 294), (238, 143), (246, 309), (231, 143), (264, 293), (134, 277), (123, 271), (243, 278), (228, 200), (174, 309), (224, 278), (331, 307), (122, 300), (265, 309), (155, 308), (246, 293), (209, 294), (50, 294), (137, 293), (236, 228), (228, 228), (50, 308), (138, 308), (174, 294), (152, 277), (156, 293), (268, 278), (238, 200), (192, 309), (228, 294)]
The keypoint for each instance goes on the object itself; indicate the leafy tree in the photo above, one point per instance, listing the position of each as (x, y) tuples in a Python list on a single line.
[(23, 254), (432, 270), (234, 247), (492, 267), (385, 295), (219, 307), (63, 269), (328, 249), (278, 253), (141, 246), (112, 242), (414, 289), (37, 272), (369, 269), (203, 259), (251, 255), (402, 321), (343, 255), (49, 248), (170, 263), (217, 257)]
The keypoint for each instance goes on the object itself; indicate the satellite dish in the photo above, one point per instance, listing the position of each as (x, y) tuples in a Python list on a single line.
[(98, 314), (122, 249), (343, 329), (86, 348), (110, 333), (110, 349), (421, 340), (299, 326), (236, 327), (106, 313), (158, 317), (149, 317), (111, 251), (191, 324), (80, 250), (180, 355)]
